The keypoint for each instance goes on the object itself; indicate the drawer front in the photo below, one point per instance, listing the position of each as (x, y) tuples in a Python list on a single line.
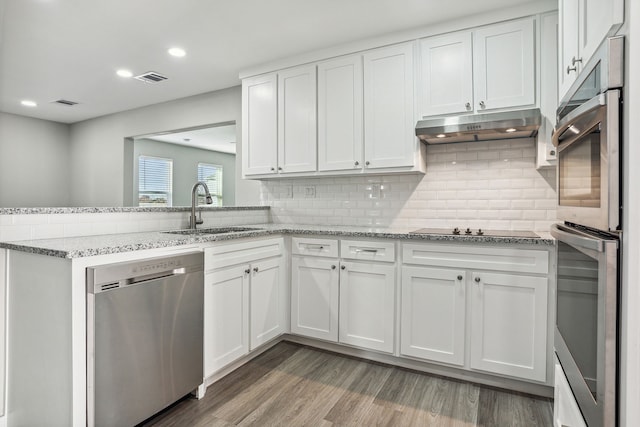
[(486, 258), (370, 251), (314, 247), (238, 253)]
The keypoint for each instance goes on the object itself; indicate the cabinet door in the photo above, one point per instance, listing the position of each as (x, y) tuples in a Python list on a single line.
[(367, 304), (259, 125), (446, 80), (340, 114), (226, 314), (596, 19), (504, 62), (389, 121), (433, 314), (267, 310), (509, 325), (297, 142), (568, 11), (314, 297), (565, 409)]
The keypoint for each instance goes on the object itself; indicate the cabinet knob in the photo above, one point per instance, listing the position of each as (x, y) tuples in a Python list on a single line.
[(356, 163), (570, 69), (477, 279), (575, 60), (467, 105), (342, 267), (482, 104), (279, 168), (552, 152), (247, 271), (333, 267), (366, 163), (273, 169), (459, 276), (255, 269)]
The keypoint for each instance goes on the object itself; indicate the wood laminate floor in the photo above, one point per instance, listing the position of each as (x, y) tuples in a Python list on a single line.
[(295, 385)]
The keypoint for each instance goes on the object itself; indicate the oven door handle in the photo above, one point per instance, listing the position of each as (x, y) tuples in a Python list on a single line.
[(567, 124), (576, 238)]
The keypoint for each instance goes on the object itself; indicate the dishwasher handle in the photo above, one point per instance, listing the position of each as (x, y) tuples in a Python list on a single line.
[(155, 276)]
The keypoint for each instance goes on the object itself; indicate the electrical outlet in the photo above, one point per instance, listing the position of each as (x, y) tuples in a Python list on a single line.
[(310, 191)]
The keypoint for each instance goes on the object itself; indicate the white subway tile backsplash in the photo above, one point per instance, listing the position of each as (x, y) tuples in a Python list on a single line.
[(490, 185)]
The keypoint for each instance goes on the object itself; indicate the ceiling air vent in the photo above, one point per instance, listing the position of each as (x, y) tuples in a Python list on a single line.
[(150, 77), (65, 102)]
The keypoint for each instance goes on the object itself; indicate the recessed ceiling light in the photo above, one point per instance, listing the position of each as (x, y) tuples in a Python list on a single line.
[(124, 73), (177, 52), (441, 135), (511, 130), (28, 103)]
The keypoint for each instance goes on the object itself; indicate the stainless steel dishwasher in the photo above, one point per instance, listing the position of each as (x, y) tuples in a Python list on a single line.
[(144, 336)]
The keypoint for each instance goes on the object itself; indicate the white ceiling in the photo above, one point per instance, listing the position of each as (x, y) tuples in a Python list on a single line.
[(216, 138), (70, 49)]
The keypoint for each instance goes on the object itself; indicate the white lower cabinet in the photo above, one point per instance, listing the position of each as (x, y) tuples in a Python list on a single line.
[(367, 304), (566, 412), (245, 300), (314, 297), (340, 300), (481, 299), (509, 324), (433, 314)]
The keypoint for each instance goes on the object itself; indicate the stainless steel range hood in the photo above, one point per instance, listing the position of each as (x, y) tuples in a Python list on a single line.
[(480, 127)]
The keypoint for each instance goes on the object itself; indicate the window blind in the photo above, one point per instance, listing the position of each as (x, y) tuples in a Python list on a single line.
[(155, 176), (212, 176)]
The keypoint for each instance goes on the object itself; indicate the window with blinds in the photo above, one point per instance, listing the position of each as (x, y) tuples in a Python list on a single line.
[(212, 176), (155, 181)]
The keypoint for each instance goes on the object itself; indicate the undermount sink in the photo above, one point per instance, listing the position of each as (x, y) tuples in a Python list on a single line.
[(215, 230)]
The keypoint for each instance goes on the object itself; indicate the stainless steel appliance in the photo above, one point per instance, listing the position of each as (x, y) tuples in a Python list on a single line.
[(144, 336), (587, 137), (480, 127), (588, 140)]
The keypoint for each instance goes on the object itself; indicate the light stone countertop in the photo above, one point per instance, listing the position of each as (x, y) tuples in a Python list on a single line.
[(65, 210), (78, 247)]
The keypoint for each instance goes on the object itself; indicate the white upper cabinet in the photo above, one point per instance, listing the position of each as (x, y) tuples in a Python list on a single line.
[(259, 125), (447, 74), (297, 119), (504, 61), (489, 68), (340, 114), (389, 139), (584, 24)]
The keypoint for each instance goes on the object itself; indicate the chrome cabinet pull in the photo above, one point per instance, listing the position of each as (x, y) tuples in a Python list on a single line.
[(255, 269), (318, 247), (357, 163), (482, 104), (279, 168), (247, 271), (366, 163), (333, 267), (574, 61), (467, 105), (477, 279), (342, 267), (273, 169), (570, 69), (460, 277), (357, 250)]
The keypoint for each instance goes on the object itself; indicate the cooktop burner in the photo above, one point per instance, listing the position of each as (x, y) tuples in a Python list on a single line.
[(479, 232)]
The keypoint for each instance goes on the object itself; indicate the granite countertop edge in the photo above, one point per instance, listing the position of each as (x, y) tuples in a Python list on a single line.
[(86, 246), (70, 210)]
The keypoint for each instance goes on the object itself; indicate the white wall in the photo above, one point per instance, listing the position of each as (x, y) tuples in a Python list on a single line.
[(34, 162), (98, 149), (185, 168), (489, 185)]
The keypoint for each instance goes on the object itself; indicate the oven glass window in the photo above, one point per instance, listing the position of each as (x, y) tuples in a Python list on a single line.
[(579, 172), (577, 309)]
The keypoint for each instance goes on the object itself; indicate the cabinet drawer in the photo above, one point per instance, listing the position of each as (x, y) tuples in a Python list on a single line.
[(486, 258), (314, 247), (238, 253), (370, 251)]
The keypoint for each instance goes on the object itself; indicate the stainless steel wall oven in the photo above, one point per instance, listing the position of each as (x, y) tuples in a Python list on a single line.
[(588, 139)]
